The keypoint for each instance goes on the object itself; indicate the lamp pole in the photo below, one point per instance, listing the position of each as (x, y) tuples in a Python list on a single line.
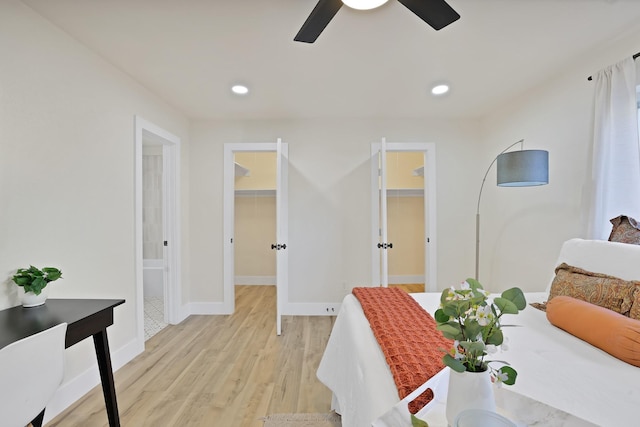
[(478, 208)]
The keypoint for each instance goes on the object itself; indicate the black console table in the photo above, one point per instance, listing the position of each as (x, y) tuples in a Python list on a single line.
[(84, 318)]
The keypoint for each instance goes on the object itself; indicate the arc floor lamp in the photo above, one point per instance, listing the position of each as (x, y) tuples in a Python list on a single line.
[(522, 168)]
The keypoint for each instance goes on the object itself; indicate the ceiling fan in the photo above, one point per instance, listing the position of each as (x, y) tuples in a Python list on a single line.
[(436, 13)]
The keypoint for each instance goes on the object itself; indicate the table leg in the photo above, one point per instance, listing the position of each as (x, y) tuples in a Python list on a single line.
[(106, 376), (37, 421)]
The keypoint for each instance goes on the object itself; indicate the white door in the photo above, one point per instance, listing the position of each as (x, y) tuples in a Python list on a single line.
[(280, 245), (383, 244), (282, 231), (380, 210)]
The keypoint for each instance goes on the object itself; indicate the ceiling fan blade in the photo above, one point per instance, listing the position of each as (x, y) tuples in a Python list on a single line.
[(436, 13), (320, 16)]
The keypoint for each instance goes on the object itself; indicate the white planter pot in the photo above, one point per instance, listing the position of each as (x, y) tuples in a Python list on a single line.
[(29, 299), (469, 390)]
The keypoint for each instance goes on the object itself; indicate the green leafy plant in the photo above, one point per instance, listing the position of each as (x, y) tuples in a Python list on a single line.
[(417, 422), (468, 317), (33, 279)]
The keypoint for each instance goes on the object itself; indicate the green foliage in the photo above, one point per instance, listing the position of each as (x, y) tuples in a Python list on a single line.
[(505, 306), (454, 363), (417, 422), (511, 375), (516, 296), (451, 330), (473, 322), (33, 279)]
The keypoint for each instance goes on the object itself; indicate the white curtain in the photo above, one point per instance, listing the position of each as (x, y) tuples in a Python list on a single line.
[(616, 148)]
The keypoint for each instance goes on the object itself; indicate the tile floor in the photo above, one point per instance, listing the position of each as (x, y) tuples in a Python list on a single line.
[(153, 316)]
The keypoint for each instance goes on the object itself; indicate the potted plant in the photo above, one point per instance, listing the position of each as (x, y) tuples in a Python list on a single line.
[(34, 282), (468, 317)]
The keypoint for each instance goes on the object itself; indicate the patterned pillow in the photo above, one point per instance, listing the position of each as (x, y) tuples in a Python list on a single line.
[(599, 289), (635, 308), (625, 230)]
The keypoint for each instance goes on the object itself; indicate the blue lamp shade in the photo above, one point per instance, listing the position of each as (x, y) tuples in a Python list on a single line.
[(524, 168)]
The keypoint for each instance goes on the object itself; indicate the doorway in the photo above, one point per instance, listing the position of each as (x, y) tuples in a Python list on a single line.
[(153, 272), (254, 218), (248, 193), (403, 214), (157, 228)]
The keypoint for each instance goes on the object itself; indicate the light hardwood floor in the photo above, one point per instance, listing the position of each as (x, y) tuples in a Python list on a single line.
[(410, 288), (218, 371)]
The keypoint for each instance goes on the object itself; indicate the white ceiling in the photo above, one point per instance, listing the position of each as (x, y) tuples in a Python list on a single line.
[(378, 63)]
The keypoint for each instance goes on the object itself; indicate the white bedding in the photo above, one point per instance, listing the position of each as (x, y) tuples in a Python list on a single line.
[(553, 367)]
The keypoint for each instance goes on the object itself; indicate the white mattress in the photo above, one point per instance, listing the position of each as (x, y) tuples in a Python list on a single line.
[(553, 367)]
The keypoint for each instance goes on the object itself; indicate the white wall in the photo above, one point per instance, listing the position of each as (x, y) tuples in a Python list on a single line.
[(329, 199), (66, 171), (523, 228)]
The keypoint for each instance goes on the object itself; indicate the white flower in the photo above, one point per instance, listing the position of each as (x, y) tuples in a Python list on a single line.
[(451, 295), (465, 286), (500, 377), (484, 315)]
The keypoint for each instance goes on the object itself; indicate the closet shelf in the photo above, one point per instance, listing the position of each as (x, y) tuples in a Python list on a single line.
[(256, 193), (405, 192)]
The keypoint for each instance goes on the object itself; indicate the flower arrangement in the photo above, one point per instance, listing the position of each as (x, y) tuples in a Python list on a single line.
[(467, 317)]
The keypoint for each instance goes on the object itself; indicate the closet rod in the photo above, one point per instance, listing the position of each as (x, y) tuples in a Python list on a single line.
[(634, 57)]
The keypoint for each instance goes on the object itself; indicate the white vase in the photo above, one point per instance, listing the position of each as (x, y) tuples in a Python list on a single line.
[(469, 390), (29, 299)]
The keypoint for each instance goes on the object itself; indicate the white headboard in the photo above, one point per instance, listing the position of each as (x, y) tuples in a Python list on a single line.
[(621, 260)]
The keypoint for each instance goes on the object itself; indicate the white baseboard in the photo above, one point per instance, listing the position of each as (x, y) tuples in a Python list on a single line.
[(289, 309), (405, 280), (255, 280), (311, 309), (69, 392)]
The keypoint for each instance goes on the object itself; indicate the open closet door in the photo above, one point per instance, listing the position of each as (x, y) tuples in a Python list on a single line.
[(403, 214), (380, 247), (282, 231)]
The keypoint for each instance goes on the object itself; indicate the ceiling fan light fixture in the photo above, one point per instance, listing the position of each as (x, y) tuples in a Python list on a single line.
[(364, 4)]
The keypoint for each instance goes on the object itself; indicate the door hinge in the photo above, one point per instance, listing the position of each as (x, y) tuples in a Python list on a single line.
[(166, 243)]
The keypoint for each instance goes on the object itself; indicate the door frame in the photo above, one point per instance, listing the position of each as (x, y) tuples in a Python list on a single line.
[(429, 150), (146, 130), (282, 287)]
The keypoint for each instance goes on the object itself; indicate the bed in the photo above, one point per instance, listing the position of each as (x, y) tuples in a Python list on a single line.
[(554, 367)]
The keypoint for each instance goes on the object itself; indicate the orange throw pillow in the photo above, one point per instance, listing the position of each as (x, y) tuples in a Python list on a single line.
[(612, 332)]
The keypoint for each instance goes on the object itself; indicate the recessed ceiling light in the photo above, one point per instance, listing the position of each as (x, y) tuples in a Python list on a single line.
[(240, 89), (440, 89), (364, 4)]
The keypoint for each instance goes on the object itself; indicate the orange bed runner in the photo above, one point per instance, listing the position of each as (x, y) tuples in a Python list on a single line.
[(408, 338)]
